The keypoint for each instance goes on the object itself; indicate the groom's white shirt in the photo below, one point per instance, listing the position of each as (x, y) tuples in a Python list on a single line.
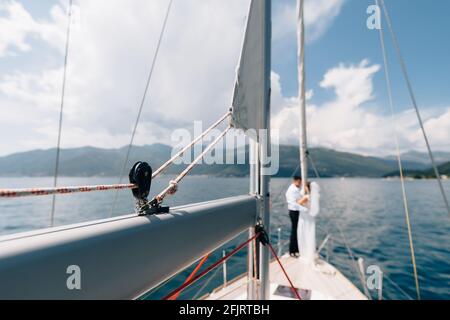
[(293, 194)]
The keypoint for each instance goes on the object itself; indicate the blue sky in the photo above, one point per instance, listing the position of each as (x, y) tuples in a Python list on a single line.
[(110, 56), (423, 29)]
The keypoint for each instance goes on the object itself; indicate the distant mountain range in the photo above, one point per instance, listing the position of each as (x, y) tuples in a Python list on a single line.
[(444, 170), (89, 161), (422, 157)]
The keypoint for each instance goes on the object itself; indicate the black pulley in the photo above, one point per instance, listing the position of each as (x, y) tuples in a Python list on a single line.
[(141, 176), (263, 236)]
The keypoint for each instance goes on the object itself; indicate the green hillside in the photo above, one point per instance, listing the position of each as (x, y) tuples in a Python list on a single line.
[(89, 161), (444, 170)]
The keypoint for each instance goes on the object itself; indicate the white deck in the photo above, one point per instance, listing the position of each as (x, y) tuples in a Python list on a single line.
[(324, 282)]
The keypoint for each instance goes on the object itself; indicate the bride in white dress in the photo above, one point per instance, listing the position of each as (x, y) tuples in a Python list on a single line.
[(306, 230)]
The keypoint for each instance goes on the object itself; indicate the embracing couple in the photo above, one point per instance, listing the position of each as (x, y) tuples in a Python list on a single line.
[(303, 205)]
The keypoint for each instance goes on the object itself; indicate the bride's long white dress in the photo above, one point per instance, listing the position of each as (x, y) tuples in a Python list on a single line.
[(306, 230)]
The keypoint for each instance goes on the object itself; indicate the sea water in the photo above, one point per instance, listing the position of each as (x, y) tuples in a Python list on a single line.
[(365, 214)]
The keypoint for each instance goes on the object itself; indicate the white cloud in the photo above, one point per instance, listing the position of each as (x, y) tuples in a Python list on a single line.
[(110, 55), (14, 28), (319, 16), (18, 27), (437, 127), (347, 123), (351, 83), (112, 46)]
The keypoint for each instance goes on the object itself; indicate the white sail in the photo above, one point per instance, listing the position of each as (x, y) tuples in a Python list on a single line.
[(251, 89)]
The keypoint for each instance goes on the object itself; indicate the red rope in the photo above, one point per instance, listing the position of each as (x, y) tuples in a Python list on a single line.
[(192, 278), (15, 193), (209, 269), (193, 273), (285, 273)]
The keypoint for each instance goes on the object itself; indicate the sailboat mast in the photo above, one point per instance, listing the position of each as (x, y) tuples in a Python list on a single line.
[(302, 92), (265, 143)]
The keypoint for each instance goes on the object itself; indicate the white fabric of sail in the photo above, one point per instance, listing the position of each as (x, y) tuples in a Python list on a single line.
[(248, 96)]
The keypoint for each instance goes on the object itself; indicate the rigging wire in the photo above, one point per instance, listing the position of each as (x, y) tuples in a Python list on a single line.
[(341, 231), (173, 184), (210, 268), (398, 287), (182, 151), (191, 288), (61, 112), (345, 241), (293, 289), (157, 288), (192, 275), (14, 193), (414, 102), (198, 293), (144, 98), (255, 268), (339, 259), (207, 282), (194, 279), (399, 159), (172, 188), (349, 250)]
